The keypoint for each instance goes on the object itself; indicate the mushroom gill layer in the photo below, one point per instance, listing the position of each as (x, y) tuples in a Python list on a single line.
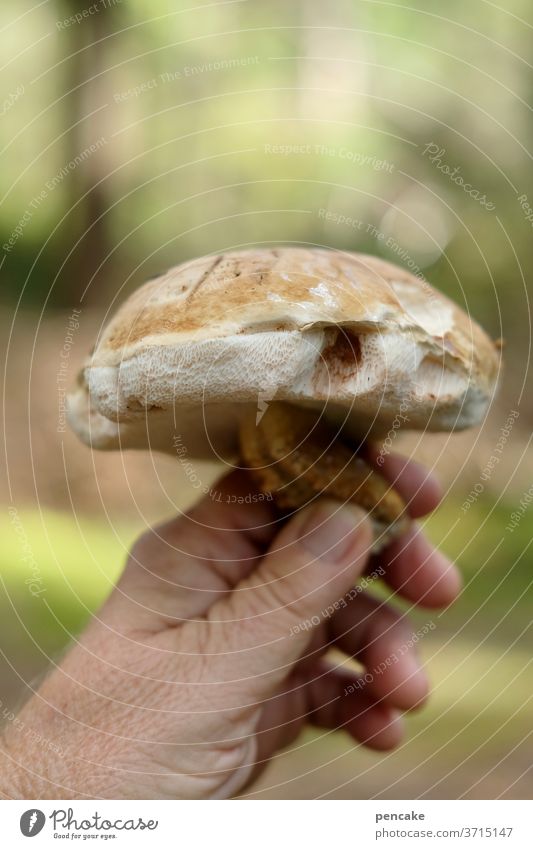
[(191, 351)]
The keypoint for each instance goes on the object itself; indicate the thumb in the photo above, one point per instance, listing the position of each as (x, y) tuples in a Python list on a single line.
[(267, 621)]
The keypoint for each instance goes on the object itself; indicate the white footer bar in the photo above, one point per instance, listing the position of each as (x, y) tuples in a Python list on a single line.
[(268, 824)]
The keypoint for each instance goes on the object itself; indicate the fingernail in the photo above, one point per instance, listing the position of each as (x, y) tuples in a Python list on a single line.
[(335, 532)]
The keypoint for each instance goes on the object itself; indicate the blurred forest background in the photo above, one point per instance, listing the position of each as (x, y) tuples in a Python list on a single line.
[(134, 136)]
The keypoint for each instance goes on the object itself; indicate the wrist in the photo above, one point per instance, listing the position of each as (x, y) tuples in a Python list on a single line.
[(15, 781), (34, 763)]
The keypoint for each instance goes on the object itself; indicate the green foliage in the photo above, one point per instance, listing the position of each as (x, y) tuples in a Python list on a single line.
[(191, 101), (76, 566), (80, 560)]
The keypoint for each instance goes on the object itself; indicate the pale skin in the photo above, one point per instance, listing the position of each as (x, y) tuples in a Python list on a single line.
[(206, 659)]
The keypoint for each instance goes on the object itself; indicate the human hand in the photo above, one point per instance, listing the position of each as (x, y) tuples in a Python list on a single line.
[(210, 654)]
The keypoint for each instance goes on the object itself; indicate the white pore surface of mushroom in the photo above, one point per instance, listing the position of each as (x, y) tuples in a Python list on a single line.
[(216, 341)]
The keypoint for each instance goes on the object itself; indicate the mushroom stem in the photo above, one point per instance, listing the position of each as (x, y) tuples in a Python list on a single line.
[(293, 454)]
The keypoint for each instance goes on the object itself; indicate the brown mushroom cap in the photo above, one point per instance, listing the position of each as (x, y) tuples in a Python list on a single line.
[(189, 352)]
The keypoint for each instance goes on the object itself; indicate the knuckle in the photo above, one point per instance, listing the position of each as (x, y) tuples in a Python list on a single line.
[(285, 597), (144, 547)]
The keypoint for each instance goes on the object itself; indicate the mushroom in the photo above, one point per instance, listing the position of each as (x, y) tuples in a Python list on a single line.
[(288, 360)]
